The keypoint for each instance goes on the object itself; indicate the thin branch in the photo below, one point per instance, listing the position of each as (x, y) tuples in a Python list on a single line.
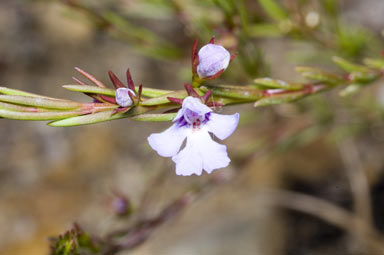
[(328, 212), (131, 237), (357, 178)]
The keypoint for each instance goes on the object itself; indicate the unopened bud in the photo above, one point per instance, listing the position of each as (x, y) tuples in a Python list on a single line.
[(121, 206), (212, 59), (122, 97)]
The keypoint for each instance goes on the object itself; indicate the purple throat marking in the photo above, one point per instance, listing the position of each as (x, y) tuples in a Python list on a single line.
[(193, 119)]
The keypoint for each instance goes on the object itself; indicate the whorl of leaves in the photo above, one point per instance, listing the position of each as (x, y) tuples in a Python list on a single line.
[(74, 242)]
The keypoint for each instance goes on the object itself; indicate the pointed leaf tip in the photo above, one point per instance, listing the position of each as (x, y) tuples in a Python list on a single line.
[(87, 119), (274, 83), (90, 77), (191, 92), (130, 82), (349, 66), (115, 81)]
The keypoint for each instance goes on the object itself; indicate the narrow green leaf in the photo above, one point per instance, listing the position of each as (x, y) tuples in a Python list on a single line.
[(149, 92), (236, 92), (319, 75), (278, 84), (229, 101), (101, 117), (358, 73), (155, 117), (18, 108), (377, 63), (133, 31), (87, 119), (90, 89), (280, 98), (40, 102), (36, 115), (350, 90), (163, 98), (150, 10), (331, 7), (243, 13), (349, 66), (226, 6), (144, 40), (16, 92), (363, 77), (265, 30), (273, 9)]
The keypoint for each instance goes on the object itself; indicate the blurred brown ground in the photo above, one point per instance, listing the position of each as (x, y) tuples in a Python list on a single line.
[(52, 177)]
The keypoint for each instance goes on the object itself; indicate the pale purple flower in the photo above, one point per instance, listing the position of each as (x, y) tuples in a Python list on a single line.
[(122, 97), (195, 121), (212, 59)]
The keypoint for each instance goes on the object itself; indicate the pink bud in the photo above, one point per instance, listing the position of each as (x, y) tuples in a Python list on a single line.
[(212, 59), (122, 97)]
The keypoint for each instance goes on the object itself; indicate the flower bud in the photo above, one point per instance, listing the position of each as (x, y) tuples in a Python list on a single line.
[(122, 97), (121, 205), (212, 59)]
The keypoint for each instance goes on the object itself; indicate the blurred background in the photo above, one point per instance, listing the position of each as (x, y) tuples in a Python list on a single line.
[(325, 146)]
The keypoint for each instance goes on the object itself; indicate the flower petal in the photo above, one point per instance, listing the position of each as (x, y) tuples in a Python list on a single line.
[(222, 126), (168, 143), (214, 155), (193, 104), (188, 161), (201, 152), (179, 114)]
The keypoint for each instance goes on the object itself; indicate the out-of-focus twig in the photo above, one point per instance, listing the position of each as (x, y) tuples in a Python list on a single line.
[(147, 196), (350, 222), (141, 39), (357, 178), (129, 238), (322, 209), (140, 232)]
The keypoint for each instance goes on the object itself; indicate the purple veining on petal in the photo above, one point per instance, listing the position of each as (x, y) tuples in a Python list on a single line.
[(207, 117), (191, 117), (181, 122), (197, 123)]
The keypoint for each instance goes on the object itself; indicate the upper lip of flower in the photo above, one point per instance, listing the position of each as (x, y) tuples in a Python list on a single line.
[(192, 104)]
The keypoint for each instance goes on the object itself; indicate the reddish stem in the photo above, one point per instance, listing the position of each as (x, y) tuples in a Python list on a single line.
[(90, 77), (78, 81)]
